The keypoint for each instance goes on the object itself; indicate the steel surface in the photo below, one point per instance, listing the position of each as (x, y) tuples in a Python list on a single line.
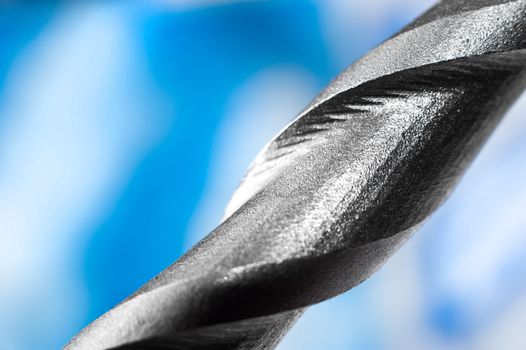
[(328, 200)]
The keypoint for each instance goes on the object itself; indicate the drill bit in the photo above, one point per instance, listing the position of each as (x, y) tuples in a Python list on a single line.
[(330, 198)]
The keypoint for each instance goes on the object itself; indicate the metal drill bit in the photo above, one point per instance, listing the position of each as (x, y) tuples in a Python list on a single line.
[(340, 189)]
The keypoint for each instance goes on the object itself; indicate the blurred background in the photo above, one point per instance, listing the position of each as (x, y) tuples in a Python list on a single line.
[(126, 125)]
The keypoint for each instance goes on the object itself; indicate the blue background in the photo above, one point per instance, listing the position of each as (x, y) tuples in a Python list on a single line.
[(126, 126)]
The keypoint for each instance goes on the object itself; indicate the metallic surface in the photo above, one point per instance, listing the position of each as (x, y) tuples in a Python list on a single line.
[(340, 189)]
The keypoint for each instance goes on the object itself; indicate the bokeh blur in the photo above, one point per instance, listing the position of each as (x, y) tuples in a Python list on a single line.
[(126, 125)]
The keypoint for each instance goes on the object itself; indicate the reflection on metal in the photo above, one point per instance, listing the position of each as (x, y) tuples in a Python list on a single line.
[(340, 189)]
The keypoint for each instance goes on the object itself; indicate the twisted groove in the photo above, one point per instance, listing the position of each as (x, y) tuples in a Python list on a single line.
[(446, 33), (339, 190), (498, 28)]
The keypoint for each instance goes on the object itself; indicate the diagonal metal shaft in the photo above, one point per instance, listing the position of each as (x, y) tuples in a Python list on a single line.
[(340, 189)]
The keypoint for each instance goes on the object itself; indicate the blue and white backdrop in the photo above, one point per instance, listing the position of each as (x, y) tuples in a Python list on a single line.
[(126, 125)]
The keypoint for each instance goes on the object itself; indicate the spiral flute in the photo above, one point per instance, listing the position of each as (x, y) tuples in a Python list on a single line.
[(340, 189)]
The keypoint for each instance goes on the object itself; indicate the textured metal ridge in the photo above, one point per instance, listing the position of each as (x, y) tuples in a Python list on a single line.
[(328, 200)]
